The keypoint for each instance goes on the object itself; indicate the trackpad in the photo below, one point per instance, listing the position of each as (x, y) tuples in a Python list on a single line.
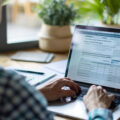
[(75, 109)]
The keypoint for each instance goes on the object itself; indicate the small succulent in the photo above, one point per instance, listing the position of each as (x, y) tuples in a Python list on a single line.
[(56, 12)]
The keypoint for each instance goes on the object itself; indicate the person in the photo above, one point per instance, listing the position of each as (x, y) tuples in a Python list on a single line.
[(20, 101)]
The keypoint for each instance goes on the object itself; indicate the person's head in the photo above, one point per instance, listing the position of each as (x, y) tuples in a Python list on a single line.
[(0, 10)]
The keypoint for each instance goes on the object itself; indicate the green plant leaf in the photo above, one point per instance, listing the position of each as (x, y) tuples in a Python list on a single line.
[(105, 10), (56, 12)]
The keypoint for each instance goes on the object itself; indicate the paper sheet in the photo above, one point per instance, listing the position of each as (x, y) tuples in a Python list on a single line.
[(58, 67)]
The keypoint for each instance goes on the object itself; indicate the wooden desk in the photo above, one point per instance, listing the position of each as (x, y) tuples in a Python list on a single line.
[(6, 61)]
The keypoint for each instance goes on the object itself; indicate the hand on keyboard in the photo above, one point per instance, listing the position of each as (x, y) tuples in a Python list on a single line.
[(97, 97), (60, 88)]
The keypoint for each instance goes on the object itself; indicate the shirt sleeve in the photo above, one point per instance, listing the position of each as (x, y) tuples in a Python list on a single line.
[(19, 100), (100, 114)]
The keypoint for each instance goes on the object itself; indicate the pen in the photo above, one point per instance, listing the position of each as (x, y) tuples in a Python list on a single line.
[(29, 71), (45, 79)]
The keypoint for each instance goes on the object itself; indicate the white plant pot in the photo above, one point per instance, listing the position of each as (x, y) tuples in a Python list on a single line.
[(55, 38)]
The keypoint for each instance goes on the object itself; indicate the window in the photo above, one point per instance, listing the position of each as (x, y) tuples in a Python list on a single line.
[(20, 26)]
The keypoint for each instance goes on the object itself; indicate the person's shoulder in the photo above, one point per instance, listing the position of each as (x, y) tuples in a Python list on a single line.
[(6, 72), (9, 74), (2, 70)]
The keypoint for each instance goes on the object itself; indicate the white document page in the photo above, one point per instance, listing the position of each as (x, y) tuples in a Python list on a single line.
[(59, 66), (95, 58)]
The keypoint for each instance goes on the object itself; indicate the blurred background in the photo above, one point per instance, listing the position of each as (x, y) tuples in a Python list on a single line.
[(24, 24), (22, 21)]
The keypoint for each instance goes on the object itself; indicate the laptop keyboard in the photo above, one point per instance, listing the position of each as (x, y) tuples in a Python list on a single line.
[(83, 92), (114, 104)]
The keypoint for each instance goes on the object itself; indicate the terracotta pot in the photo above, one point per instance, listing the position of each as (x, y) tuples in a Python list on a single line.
[(55, 38)]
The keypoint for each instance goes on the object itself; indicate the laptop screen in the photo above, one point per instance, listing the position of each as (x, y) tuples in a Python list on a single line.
[(95, 56)]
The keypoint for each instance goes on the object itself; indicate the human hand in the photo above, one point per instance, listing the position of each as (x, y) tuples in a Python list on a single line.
[(97, 97), (53, 91)]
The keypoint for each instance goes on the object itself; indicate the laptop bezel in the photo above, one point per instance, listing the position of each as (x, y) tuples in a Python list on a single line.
[(70, 53)]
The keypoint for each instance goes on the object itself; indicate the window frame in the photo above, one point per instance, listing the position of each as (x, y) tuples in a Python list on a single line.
[(3, 37)]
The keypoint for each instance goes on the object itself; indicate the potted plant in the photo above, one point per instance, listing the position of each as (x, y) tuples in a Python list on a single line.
[(107, 11), (56, 15)]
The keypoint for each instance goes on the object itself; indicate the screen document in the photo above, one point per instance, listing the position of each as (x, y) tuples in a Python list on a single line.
[(95, 58)]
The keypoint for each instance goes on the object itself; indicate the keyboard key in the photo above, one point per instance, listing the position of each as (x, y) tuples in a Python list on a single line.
[(115, 103)]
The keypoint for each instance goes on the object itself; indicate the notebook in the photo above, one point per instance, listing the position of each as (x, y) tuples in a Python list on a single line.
[(41, 57)]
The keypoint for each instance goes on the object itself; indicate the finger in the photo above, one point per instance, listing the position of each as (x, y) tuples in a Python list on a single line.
[(79, 89), (104, 91), (70, 84), (84, 98), (99, 87), (100, 90), (91, 88), (71, 81), (67, 93), (111, 97)]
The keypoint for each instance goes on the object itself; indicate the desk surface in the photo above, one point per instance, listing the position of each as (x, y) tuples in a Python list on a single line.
[(5, 61)]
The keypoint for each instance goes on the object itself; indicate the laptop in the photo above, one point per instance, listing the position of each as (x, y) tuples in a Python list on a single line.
[(94, 58)]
